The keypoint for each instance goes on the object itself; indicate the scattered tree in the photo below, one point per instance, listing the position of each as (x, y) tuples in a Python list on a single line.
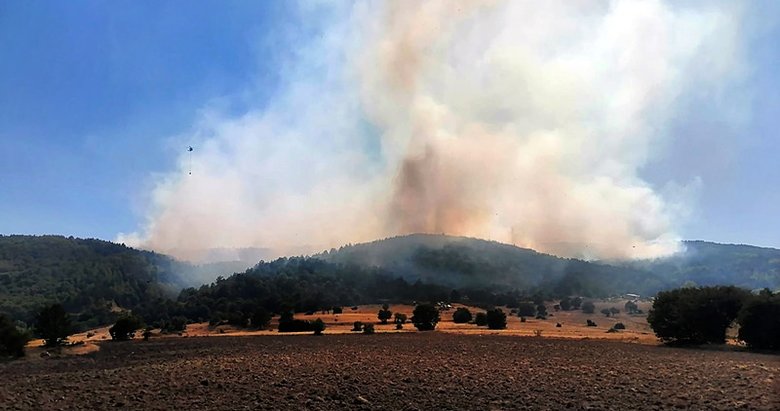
[(565, 304), (614, 311), (461, 316), (357, 326), (53, 325), (576, 302), (591, 323), (606, 312), (385, 314), (631, 307), (526, 309), (588, 307), (125, 327), (759, 321), (261, 318), (696, 315), (425, 317), (619, 326), (400, 318), (318, 326), (12, 340), (368, 328), (480, 319), (496, 319)]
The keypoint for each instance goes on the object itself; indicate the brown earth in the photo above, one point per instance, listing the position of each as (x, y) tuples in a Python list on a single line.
[(395, 371)]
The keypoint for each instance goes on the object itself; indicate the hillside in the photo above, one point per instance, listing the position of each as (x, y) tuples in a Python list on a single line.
[(706, 263), (468, 262), (89, 277)]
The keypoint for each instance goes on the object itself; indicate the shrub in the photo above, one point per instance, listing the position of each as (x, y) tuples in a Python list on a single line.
[(614, 311), (125, 327), (522, 319), (759, 322), (399, 326), (400, 318), (565, 304), (696, 315), (368, 328), (12, 340), (496, 319), (588, 307), (576, 302), (337, 310), (606, 311), (318, 326), (357, 326), (480, 319), (461, 315), (526, 309), (425, 317), (591, 323), (619, 326), (384, 314)]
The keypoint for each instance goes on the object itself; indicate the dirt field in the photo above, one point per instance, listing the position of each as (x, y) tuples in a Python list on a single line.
[(394, 371)]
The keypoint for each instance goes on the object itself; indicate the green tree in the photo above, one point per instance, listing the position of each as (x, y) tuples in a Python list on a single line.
[(696, 315), (384, 314), (400, 318), (588, 307), (53, 325), (425, 317), (565, 304), (759, 321), (125, 327), (496, 319), (261, 318), (318, 326), (480, 319), (526, 309), (461, 315), (12, 340)]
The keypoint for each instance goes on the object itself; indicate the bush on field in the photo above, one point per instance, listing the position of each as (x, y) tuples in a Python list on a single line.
[(496, 319), (480, 319), (368, 328), (425, 317), (125, 327), (461, 315), (588, 307), (526, 309)]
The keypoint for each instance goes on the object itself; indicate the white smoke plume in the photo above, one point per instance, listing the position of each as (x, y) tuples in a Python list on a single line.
[(522, 122)]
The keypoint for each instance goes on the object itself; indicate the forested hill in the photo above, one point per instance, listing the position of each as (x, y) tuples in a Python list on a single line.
[(467, 262), (459, 261), (89, 277), (706, 263)]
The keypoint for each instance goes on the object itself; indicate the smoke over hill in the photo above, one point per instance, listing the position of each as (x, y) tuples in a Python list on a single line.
[(526, 123)]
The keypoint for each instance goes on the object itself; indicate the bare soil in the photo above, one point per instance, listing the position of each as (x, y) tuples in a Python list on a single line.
[(393, 371)]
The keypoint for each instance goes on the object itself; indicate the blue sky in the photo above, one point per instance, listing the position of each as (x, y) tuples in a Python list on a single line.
[(93, 95)]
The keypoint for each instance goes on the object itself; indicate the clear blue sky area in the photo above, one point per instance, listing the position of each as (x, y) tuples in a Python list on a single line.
[(92, 91)]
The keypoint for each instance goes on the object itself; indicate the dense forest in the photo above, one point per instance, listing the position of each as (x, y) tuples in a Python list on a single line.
[(92, 279)]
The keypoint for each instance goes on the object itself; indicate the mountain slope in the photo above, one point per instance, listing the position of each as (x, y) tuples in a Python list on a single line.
[(89, 277), (459, 261)]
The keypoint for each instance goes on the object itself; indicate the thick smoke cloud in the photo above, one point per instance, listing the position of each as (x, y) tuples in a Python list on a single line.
[(522, 122)]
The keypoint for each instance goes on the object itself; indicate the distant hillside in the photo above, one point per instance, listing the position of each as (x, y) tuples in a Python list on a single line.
[(89, 277), (706, 263), (468, 262)]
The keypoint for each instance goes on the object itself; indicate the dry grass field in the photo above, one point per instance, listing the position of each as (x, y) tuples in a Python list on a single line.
[(573, 325), (393, 371)]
